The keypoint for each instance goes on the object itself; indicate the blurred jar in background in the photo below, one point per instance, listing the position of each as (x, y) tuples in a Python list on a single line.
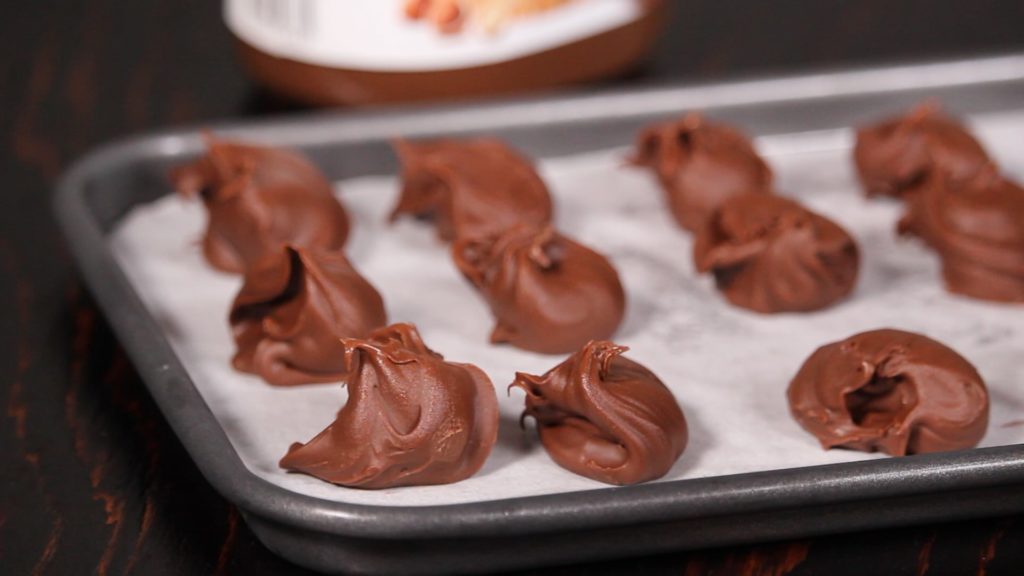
[(353, 52)]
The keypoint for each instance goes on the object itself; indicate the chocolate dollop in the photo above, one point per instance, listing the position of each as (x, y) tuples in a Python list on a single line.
[(606, 417), (896, 155), (470, 188), (770, 254), (259, 198), (977, 227), (548, 293), (411, 418), (292, 310), (700, 164), (890, 391)]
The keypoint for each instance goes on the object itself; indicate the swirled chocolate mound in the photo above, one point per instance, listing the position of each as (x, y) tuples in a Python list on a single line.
[(895, 156), (605, 417), (548, 293), (470, 188), (770, 254), (292, 310), (977, 227), (411, 418), (890, 391), (700, 164), (257, 199)]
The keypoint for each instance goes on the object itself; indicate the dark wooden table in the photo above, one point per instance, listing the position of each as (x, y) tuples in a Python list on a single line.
[(92, 479)]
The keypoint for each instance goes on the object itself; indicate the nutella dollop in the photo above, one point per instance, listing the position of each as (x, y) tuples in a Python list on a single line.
[(770, 254), (548, 293), (895, 156), (411, 418), (470, 188), (259, 198), (605, 417), (293, 309), (891, 391), (977, 227), (700, 164)]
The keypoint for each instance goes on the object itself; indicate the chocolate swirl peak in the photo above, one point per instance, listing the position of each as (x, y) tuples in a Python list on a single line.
[(411, 418), (977, 227), (700, 164), (257, 199), (896, 155), (890, 391), (605, 417), (548, 293), (470, 188), (770, 254), (292, 310)]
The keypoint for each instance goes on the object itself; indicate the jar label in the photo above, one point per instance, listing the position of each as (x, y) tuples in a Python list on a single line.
[(376, 35)]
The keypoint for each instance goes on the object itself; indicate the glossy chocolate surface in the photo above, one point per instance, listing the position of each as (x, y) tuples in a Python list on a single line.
[(606, 417), (770, 254), (700, 164), (897, 155), (258, 199), (548, 293), (470, 188), (292, 311), (890, 391), (977, 227), (411, 417)]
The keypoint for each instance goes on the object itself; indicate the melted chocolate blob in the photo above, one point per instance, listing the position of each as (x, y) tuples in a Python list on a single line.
[(700, 164), (770, 254), (470, 188), (605, 417), (890, 391), (548, 293), (258, 199), (895, 156), (977, 227), (293, 309), (411, 418)]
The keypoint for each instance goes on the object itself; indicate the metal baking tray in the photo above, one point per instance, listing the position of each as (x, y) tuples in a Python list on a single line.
[(521, 532)]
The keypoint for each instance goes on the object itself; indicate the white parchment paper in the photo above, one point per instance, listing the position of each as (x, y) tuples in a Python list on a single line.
[(728, 368)]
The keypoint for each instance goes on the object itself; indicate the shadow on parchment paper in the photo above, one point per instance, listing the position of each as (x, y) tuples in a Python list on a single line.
[(514, 442), (640, 312), (892, 264), (654, 284), (699, 443), (1009, 405)]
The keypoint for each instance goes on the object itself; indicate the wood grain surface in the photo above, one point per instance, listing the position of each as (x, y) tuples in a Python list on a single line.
[(91, 478)]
